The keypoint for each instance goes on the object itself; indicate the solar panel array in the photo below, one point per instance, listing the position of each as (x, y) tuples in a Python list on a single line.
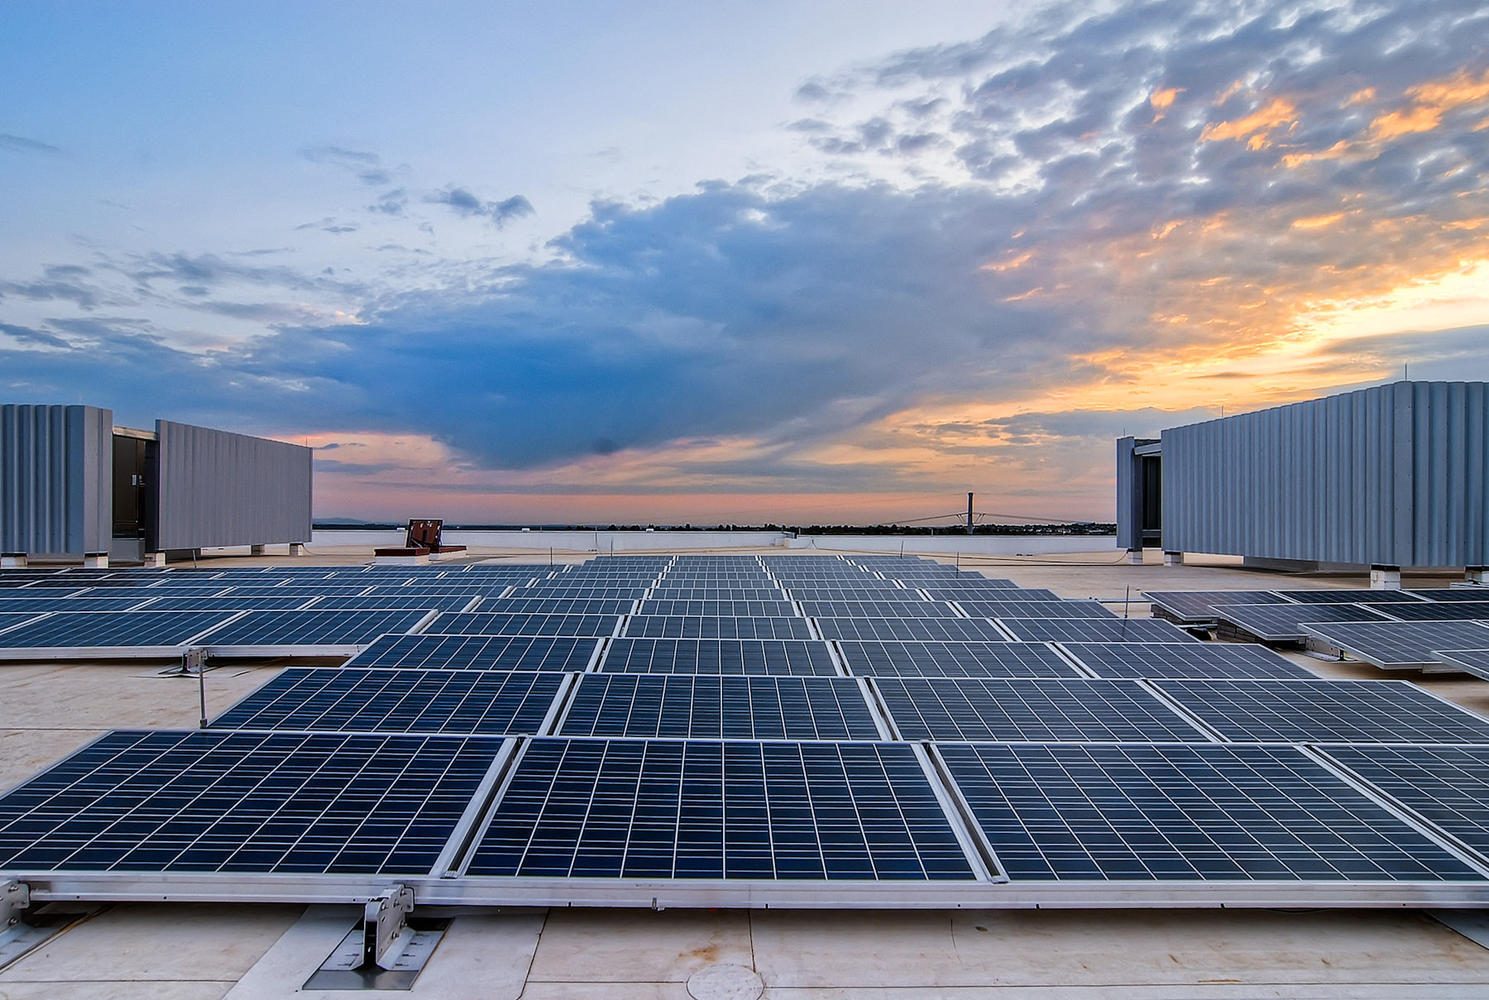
[(1392, 629), (639, 728)]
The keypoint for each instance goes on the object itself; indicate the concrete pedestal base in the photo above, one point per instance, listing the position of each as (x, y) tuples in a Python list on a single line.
[(1173, 559), (96, 560), (1385, 577), (1476, 574), (1135, 556), (13, 561), (298, 549), (155, 560)]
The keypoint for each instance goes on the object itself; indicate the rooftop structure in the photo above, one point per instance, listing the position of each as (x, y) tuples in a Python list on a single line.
[(962, 689), (1392, 477), (75, 486)]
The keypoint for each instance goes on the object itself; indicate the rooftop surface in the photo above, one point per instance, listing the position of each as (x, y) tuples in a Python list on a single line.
[(250, 951)]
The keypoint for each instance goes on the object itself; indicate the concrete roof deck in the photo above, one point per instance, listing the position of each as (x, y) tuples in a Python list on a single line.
[(169, 951)]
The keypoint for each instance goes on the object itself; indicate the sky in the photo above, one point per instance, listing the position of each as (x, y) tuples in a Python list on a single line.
[(827, 262)]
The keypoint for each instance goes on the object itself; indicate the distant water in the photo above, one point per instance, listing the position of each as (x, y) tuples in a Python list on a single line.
[(602, 541)]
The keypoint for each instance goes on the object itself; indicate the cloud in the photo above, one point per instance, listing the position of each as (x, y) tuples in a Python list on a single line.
[(20, 144), (367, 167), (466, 205), (1078, 225)]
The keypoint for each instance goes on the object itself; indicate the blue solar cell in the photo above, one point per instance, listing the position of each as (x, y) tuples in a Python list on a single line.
[(719, 707), (1000, 708), (346, 699), (1208, 812), (479, 652), (209, 801), (698, 627), (481, 623), (665, 809), (719, 656)]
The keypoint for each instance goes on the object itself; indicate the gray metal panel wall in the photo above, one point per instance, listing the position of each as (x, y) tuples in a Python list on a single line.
[(1392, 475), (217, 488), (1129, 499), (56, 468)]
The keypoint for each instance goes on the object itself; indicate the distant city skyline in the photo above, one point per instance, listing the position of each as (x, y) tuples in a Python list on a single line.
[(743, 262)]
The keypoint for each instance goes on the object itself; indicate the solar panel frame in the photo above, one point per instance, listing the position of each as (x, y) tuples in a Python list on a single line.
[(1284, 622), (1472, 661), (1149, 630), (1138, 660), (878, 609), (910, 629), (109, 635), (308, 632), (719, 707), (479, 652), (780, 608), (1442, 595), (1167, 813), (1044, 710), (1393, 645), (953, 659), (783, 657), (148, 804), (1324, 711), (1199, 605), (1442, 611), (1035, 609), (489, 623), (1332, 596), (803, 812), (1446, 787), (701, 627), (34, 606), (448, 702)]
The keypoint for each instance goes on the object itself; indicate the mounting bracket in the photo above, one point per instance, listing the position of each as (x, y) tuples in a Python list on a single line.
[(383, 922), (14, 897)]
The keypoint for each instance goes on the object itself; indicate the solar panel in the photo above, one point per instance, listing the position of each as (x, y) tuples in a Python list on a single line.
[(912, 629), (1000, 708), (227, 602), (674, 809), (957, 592), (556, 606), (954, 659), (1424, 611), (209, 801), (1400, 645), (485, 623), (1200, 812), (1035, 609), (1346, 596), (34, 606), (878, 609), (698, 627), (345, 699), (1447, 786), (1450, 594), (10, 619), (76, 634), (1473, 661), (269, 633), (669, 593), (718, 609), (477, 652), (1184, 659), (1199, 605), (412, 602), (719, 707), (1284, 622), (718, 656), (1319, 711), (585, 593), (1095, 630)]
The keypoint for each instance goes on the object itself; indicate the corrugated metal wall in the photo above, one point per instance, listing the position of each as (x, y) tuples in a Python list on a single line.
[(56, 464), (218, 488), (1129, 500), (1392, 475)]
